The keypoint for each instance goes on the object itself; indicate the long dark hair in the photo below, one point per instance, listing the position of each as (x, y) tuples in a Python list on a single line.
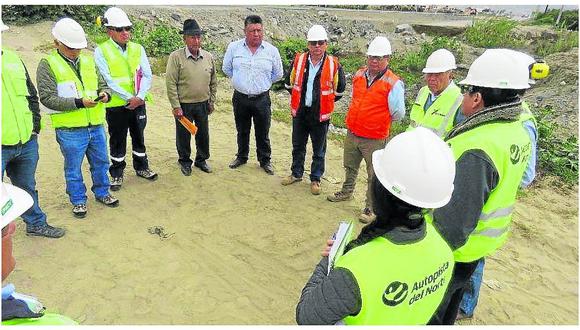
[(391, 212)]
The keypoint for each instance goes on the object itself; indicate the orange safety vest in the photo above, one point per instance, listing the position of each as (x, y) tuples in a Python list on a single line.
[(368, 115), (328, 83)]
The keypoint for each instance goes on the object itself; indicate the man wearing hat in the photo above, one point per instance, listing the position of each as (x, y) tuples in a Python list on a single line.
[(20, 128), (70, 85), (191, 89), (126, 70), (19, 309)]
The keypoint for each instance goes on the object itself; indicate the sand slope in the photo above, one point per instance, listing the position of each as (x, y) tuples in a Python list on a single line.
[(242, 244)]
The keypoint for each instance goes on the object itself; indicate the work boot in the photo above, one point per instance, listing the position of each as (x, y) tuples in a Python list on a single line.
[(116, 183), (45, 230), (340, 196), (147, 174), (80, 211), (108, 200), (367, 216), (290, 180), (315, 187)]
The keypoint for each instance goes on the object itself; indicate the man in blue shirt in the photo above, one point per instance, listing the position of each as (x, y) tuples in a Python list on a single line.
[(253, 65)]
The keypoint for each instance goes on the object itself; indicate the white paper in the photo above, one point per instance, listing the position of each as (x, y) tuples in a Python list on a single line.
[(67, 89), (341, 239)]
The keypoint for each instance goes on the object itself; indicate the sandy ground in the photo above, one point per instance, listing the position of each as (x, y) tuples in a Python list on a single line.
[(243, 245)]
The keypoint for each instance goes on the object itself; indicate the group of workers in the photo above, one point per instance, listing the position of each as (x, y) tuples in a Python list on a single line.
[(439, 198)]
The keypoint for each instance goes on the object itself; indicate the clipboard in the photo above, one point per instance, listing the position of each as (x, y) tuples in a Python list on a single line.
[(341, 239)]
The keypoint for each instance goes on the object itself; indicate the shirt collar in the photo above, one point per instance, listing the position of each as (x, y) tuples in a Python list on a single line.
[(7, 291), (73, 62), (319, 62), (261, 45), (189, 54)]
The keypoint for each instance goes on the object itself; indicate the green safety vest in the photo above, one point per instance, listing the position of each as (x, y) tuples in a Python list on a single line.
[(527, 114), (17, 123), (399, 283), (508, 146), (46, 319), (87, 88), (123, 70), (440, 114)]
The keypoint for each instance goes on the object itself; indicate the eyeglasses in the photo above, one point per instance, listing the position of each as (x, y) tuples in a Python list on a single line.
[(121, 29), (377, 58), (319, 42), (469, 89)]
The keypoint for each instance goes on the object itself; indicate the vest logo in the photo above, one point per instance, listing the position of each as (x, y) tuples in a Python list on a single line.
[(395, 293), (515, 154)]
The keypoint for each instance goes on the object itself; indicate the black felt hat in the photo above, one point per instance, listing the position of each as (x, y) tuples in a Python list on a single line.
[(190, 27)]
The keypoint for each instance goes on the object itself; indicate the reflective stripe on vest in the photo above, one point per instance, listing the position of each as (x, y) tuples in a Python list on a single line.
[(368, 115), (87, 88), (508, 146), (439, 116), (122, 70), (399, 283), (17, 123), (328, 84)]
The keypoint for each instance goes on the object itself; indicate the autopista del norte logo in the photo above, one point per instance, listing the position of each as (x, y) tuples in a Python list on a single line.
[(395, 293), (429, 284), (515, 153)]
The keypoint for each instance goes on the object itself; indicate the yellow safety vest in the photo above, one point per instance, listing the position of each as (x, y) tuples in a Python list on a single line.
[(399, 283), (46, 319), (123, 70), (440, 114), (508, 146), (17, 123), (86, 87)]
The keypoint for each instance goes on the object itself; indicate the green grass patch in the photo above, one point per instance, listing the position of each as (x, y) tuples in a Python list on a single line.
[(492, 33), (556, 156), (568, 19), (566, 40)]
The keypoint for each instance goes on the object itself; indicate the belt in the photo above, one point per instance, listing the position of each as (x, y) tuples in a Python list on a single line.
[(252, 96)]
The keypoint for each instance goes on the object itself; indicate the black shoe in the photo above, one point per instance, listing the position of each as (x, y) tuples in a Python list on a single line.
[(116, 183), (268, 168), (80, 210), (45, 231), (185, 169), (237, 162), (204, 167)]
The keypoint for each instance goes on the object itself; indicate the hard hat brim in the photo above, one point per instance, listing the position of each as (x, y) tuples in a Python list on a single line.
[(437, 70), (21, 200)]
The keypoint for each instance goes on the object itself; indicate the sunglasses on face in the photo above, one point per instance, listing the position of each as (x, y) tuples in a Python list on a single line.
[(319, 43), (377, 58), (121, 29), (468, 89)]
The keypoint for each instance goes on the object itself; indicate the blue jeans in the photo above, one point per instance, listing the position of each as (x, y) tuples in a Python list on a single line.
[(75, 143), (471, 294), (20, 162)]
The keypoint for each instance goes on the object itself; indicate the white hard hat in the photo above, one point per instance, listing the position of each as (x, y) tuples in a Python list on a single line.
[(418, 167), (524, 59), (317, 32), (380, 46), (440, 60), (497, 70), (116, 17), (70, 33), (13, 202)]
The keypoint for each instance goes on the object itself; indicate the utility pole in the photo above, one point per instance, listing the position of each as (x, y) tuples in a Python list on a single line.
[(559, 15)]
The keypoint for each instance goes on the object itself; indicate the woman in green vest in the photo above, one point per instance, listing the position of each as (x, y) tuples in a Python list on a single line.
[(19, 309), (398, 269)]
